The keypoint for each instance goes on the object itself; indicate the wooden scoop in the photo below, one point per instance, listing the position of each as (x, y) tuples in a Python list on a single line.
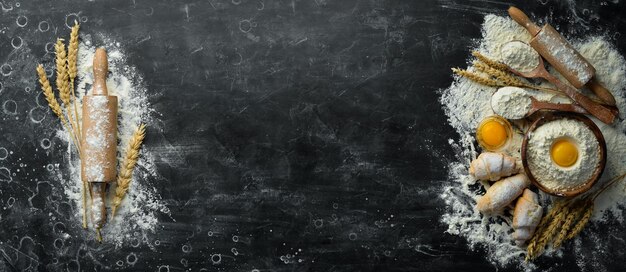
[(562, 56), (603, 113), (535, 105)]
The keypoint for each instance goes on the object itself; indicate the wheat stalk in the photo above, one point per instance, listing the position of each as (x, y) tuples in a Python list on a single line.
[(62, 76), (581, 209), (502, 72), (582, 222), (547, 236), (63, 84), (47, 92), (126, 171), (560, 225), (492, 63), (476, 78), (574, 214), (72, 70), (542, 233), (72, 59), (503, 76), (508, 79), (73, 52), (52, 101)]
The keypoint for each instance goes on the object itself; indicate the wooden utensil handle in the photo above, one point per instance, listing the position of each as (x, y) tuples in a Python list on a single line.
[(540, 105), (520, 17), (601, 92), (100, 71), (603, 114)]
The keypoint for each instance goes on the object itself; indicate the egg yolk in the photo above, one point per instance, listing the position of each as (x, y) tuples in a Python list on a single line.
[(564, 153), (493, 134)]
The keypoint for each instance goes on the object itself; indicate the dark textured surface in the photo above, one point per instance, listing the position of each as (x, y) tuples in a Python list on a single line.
[(306, 135)]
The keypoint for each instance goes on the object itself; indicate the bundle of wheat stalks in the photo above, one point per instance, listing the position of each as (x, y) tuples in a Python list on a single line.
[(67, 112), (564, 221), (492, 73)]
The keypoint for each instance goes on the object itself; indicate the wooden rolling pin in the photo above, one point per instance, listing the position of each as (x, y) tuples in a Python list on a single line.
[(562, 56), (99, 144)]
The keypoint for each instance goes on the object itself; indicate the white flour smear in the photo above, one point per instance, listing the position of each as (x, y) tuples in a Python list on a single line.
[(137, 215), (466, 103)]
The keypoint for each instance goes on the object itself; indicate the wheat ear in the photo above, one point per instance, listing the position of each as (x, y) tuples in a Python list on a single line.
[(537, 244), (72, 59), (582, 222), (52, 101), (503, 76), (508, 79), (492, 63), (63, 85), (126, 170), (503, 79), (62, 76), (477, 78), (574, 214), (548, 235)]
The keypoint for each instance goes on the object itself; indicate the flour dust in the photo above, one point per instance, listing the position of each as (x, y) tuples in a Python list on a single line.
[(138, 213), (466, 103)]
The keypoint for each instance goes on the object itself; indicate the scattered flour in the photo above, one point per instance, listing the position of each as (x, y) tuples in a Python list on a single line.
[(519, 56), (467, 103), (138, 213), (552, 176)]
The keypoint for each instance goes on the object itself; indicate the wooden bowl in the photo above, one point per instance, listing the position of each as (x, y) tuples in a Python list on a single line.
[(596, 131)]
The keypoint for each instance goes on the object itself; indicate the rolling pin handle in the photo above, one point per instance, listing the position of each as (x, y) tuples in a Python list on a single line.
[(100, 71), (603, 113), (602, 93), (520, 17)]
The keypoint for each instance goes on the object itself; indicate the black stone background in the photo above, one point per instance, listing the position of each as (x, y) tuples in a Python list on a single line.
[(310, 130)]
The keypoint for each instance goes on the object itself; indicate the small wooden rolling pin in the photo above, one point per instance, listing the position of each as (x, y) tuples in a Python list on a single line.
[(562, 56), (99, 144)]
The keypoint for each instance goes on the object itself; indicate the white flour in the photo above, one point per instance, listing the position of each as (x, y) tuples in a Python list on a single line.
[(511, 102), (546, 171), (467, 103), (519, 56), (137, 215)]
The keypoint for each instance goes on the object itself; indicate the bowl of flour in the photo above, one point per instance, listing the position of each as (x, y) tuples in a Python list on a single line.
[(564, 154)]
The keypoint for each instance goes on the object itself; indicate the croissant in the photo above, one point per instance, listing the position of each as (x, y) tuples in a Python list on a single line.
[(502, 193), (526, 217), (492, 166)]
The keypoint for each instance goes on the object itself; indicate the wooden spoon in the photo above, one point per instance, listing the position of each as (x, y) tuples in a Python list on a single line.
[(603, 113), (536, 105)]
